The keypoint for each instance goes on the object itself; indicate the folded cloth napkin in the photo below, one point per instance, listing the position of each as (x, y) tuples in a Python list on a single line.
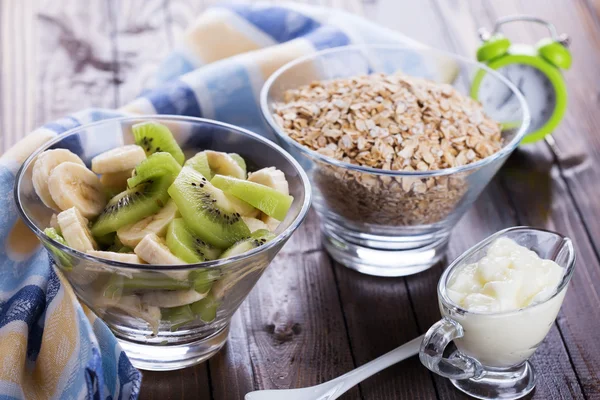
[(51, 346)]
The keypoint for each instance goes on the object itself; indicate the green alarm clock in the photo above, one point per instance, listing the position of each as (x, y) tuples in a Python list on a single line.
[(534, 70)]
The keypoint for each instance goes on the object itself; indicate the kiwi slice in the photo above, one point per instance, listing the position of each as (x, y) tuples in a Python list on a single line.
[(273, 203), (200, 163), (154, 137), (182, 242), (176, 317), (54, 235), (158, 164), (132, 205), (257, 239), (61, 259), (206, 308), (206, 211), (240, 161), (106, 241)]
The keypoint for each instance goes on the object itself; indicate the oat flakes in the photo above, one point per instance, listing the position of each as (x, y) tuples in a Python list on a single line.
[(390, 122)]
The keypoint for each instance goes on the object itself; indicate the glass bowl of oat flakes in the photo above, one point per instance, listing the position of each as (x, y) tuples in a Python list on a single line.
[(394, 146)]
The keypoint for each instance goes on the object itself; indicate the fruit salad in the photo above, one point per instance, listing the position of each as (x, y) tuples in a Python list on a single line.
[(145, 204)]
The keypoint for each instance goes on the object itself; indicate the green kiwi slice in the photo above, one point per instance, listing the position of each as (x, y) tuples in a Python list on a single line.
[(158, 164), (60, 258), (132, 205), (273, 203), (182, 242), (257, 239), (54, 235), (200, 163), (177, 316), (206, 210), (106, 241), (206, 308), (154, 137)]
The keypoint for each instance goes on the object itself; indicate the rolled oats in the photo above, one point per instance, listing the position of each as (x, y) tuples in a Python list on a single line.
[(389, 122)]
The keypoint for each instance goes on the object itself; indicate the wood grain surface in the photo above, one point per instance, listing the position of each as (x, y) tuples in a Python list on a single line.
[(310, 319)]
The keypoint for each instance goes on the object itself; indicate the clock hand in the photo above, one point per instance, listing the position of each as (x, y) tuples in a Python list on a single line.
[(520, 85), (506, 99)]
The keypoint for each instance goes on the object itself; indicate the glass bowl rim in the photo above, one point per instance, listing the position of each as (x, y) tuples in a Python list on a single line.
[(504, 151), (569, 270), (157, 267)]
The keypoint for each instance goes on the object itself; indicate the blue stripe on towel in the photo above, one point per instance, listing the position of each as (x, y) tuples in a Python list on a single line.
[(326, 37), (281, 24), (231, 93), (62, 125), (175, 98), (176, 65)]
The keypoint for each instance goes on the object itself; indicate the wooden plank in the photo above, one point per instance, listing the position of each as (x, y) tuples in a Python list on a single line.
[(143, 40), (18, 34), (189, 383), (579, 319), (294, 331), (380, 316), (577, 147), (75, 58), (534, 172)]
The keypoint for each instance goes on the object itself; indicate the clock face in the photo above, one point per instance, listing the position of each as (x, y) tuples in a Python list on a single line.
[(502, 104)]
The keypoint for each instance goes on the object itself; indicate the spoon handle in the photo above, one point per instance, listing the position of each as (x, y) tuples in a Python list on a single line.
[(354, 377)]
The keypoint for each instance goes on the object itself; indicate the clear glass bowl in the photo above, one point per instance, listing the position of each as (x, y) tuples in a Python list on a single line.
[(377, 221), (165, 338)]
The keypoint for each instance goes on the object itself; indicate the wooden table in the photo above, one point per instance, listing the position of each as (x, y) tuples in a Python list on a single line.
[(310, 319)]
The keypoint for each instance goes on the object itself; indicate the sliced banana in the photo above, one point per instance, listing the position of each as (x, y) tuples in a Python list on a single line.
[(132, 234), (123, 158), (153, 250), (42, 168), (73, 185), (121, 257), (74, 228), (241, 207), (223, 164), (132, 306), (271, 177), (115, 181), (172, 298), (254, 224), (271, 222), (54, 223)]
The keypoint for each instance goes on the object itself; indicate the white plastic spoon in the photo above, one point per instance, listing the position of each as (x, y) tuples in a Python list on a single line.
[(340, 385)]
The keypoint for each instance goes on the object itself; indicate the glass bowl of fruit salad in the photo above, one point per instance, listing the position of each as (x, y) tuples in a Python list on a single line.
[(162, 225)]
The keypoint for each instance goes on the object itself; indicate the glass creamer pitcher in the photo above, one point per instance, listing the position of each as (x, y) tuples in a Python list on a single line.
[(493, 349)]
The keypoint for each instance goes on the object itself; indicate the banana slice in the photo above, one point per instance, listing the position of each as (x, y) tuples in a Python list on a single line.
[(271, 222), (74, 228), (172, 298), (54, 223), (153, 250), (133, 306), (42, 168), (223, 164), (255, 224), (123, 158), (121, 257), (116, 181), (73, 185), (130, 235), (271, 177)]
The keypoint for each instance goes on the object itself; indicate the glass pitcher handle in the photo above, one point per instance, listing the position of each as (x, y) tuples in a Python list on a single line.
[(458, 366)]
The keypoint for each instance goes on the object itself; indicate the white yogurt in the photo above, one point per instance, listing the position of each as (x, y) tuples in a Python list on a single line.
[(506, 297)]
